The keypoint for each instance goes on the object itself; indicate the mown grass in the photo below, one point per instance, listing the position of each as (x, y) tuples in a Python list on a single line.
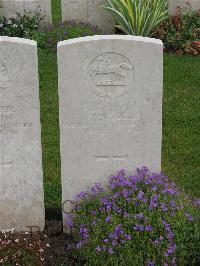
[(56, 10), (181, 126), (50, 127), (181, 121)]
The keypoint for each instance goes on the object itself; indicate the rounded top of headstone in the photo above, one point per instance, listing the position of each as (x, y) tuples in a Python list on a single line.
[(111, 37), (17, 40)]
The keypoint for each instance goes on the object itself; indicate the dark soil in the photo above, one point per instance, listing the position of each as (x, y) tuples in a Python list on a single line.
[(57, 253)]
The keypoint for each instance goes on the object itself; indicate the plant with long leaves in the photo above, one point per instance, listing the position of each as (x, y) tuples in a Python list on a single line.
[(137, 17)]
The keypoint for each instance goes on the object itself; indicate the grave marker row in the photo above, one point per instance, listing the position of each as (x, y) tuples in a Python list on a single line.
[(110, 118), (10, 7), (88, 11)]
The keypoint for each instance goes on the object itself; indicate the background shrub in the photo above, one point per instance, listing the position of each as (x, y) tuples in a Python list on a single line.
[(49, 37), (140, 220), (20, 26), (181, 33), (29, 26)]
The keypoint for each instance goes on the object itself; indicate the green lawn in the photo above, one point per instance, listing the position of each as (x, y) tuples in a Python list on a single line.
[(181, 126), (181, 121), (56, 10)]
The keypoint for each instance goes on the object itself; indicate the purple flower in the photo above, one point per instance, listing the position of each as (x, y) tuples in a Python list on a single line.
[(110, 251), (80, 244), (139, 216), (163, 207), (150, 263), (106, 240), (154, 202), (125, 193), (140, 195), (174, 262), (126, 215), (172, 203), (69, 221), (148, 228), (154, 188), (98, 248), (114, 243), (138, 227), (96, 189), (166, 225), (170, 250), (117, 232), (93, 212), (137, 204), (196, 202), (127, 237), (157, 241), (81, 195), (189, 217), (94, 222), (84, 232), (142, 171), (108, 218)]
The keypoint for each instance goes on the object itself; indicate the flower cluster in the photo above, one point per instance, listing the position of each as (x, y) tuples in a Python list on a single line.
[(136, 218)]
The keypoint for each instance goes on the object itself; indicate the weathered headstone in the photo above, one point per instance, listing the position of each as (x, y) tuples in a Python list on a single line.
[(183, 6), (21, 177), (10, 7), (89, 11), (110, 90)]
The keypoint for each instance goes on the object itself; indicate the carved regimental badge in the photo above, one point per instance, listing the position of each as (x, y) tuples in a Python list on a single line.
[(110, 75)]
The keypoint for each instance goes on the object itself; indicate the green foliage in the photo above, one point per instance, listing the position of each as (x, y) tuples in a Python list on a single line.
[(49, 37), (20, 26), (181, 33), (140, 220), (137, 17)]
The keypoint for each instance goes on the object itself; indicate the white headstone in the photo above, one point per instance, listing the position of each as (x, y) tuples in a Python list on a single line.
[(10, 7), (175, 6), (89, 11), (110, 91), (21, 177)]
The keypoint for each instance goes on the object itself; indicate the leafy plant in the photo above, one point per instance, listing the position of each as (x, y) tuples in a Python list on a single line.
[(181, 33), (49, 37), (141, 219), (21, 25), (137, 17)]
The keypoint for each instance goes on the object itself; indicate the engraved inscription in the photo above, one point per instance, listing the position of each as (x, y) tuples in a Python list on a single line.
[(9, 124), (108, 116), (110, 75), (7, 128), (3, 75)]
